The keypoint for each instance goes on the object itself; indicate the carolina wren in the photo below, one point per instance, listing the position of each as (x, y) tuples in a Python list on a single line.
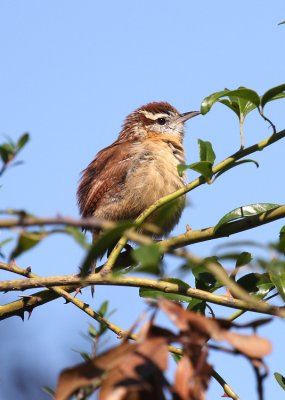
[(140, 167)]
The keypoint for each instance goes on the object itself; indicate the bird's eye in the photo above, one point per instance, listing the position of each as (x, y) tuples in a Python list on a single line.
[(161, 121)]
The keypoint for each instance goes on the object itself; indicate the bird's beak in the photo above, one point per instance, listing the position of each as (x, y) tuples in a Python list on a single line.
[(185, 116)]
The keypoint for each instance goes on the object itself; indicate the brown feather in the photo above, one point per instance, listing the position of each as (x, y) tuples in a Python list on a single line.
[(103, 176)]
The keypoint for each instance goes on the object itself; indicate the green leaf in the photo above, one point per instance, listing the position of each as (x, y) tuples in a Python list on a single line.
[(281, 243), (243, 259), (77, 235), (276, 271), (236, 164), (22, 141), (92, 331), (280, 378), (204, 280), (5, 241), (158, 294), (49, 391), (84, 355), (148, 256), (26, 241), (106, 241), (245, 211), (181, 284), (237, 100), (206, 151), (176, 357), (258, 284), (197, 305), (210, 100), (181, 168), (272, 93), (246, 94), (202, 167), (232, 105), (103, 308), (248, 108), (7, 152)]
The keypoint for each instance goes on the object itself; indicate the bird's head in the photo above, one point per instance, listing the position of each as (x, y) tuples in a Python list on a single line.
[(155, 118)]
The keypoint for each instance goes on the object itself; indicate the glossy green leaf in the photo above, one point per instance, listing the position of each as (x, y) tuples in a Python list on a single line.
[(245, 211), (243, 94), (248, 108), (210, 100), (206, 151), (272, 93), (236, 164), (243, 258), (276, 271), (246, 94), (258, 284), (232, 105), (241, 106), (148, 257), (26, 241), (280, 378), (22, 141), (158, 294), (204, 280)]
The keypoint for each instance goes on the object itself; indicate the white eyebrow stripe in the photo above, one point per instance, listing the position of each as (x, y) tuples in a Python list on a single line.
[(152, 116)]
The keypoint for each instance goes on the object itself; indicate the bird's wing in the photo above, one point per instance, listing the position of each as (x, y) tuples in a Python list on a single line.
[(103, 176)]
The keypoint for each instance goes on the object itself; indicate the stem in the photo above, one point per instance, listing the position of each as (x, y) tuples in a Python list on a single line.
[(228, 390), (241, 120)]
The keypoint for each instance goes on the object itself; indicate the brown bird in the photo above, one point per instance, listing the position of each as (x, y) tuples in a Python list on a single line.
[(139, 168)]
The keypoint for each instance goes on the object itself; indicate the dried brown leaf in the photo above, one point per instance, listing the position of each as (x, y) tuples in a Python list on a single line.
[(188, 320), (84, 374), (191, 381), (140, 373), (252, 346), (184, 372)]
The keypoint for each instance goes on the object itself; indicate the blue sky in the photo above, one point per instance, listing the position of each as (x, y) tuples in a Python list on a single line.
[(70, 73)]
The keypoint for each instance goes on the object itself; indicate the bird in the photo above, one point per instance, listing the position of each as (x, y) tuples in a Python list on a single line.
[(137, 169)]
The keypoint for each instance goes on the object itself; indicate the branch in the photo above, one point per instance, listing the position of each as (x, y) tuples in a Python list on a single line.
[(166, 287), (231, 228), (25, 221), (60, 291)]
